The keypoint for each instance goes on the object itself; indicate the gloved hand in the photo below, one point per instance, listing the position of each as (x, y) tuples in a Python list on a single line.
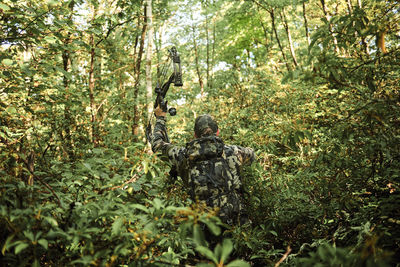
[(159, 112)]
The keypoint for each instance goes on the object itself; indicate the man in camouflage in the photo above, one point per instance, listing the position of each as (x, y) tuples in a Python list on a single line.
[(207, 166)]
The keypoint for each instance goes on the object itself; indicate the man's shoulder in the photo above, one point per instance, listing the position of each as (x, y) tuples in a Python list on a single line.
[(243, 154), (235, 148)]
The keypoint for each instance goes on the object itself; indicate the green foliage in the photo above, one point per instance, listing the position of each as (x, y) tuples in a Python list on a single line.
[(327, 255), (101, 219), (78, 185)]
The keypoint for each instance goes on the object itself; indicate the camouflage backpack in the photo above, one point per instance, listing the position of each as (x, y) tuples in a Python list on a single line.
[(210, 177)]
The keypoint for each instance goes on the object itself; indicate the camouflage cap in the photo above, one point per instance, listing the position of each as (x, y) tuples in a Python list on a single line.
[(205, 125)]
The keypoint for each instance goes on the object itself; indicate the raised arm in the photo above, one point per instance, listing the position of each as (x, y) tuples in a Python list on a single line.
[(160, 141)]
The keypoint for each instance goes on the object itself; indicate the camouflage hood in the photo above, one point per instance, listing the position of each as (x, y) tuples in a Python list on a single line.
[(205, 148)]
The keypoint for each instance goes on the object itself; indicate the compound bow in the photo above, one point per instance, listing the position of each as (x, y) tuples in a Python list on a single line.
[(162, 86)]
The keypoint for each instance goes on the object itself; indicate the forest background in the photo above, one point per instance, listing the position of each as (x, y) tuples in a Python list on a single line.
[(312, 86)]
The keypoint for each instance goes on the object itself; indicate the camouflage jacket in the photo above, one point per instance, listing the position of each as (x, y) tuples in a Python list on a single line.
[(196, 158)]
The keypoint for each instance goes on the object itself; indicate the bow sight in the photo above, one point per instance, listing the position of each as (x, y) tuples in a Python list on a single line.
[(162, 86)]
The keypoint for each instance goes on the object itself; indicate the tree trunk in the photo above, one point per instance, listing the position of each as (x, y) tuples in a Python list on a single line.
[(207, 52), (91, 91), (289, 36), (271, 12), (330, 26), (363, 41), (68, 122), (136, 43), (306, 24), (149, 52), (265, 31), (135, 124), (212, 55), (349, 6), (196, 54)]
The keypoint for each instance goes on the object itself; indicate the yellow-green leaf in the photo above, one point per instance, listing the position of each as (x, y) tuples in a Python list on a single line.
[(4, 7), (6, 244), (7, 62), (20, 248)]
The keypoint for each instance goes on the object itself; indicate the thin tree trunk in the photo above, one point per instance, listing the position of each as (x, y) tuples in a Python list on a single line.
[(306, 24), (289, 36), (67, 112), (136, 43), (149, 52), (363, 41), (271, 12), (68, 121), (349, 6), (91, 91), (212, 55), (330, 26), (265, 31), (135, 125), (207, 53), (196, 54)]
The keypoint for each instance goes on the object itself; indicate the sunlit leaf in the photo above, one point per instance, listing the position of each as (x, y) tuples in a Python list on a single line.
[(238, 263), (7, 62)]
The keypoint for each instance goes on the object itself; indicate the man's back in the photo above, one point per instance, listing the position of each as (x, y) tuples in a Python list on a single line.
[(213, 174), (210, 168)]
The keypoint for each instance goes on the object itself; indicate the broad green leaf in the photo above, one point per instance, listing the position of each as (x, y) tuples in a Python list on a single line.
[(7, 62), (51, 221), (29, 235), (140, 207), (157, 203), (11, 110), (215, 229), (273, 232), (87, 165), (227, 248), (207, 253), (50, 39), (116, 226), (205, 265), (136, 187), (44, 243), (20, 248), (52, 2), (238, 263), (7, 244), (198, 235), (145, 166), (218, 252), (4, 7)]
